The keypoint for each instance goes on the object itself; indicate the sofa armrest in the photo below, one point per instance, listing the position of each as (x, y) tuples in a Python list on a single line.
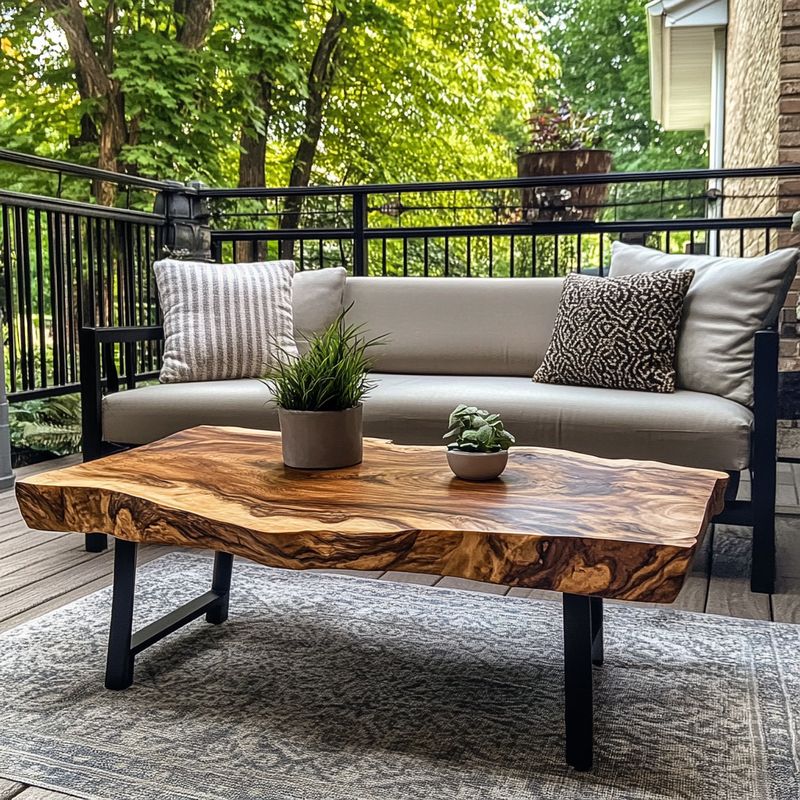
[(95, 346)]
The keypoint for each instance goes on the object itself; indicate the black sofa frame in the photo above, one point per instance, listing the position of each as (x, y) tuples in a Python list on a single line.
[(759, 512)]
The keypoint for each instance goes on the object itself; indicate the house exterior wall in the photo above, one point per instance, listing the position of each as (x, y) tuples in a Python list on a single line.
[(751, 105), (762, 127)]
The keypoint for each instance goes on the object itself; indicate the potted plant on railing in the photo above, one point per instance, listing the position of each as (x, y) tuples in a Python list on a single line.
[(480, 449), (319, 396), (562, 142)]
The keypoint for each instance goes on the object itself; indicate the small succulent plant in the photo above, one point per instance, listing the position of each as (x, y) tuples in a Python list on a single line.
[(477, 431)]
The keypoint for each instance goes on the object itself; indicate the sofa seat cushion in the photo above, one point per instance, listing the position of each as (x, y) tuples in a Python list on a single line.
[(148, 413), (688, 428)]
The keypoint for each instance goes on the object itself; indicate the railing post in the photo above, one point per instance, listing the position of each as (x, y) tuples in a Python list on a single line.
[(6, 471), (359, 238), (763, 466), (187, 233)]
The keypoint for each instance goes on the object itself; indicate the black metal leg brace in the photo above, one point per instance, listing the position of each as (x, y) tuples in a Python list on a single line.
[(580, 649), (123, 644)]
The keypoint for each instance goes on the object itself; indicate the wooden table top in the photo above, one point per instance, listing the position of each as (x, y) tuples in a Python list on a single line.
[(554, 519)]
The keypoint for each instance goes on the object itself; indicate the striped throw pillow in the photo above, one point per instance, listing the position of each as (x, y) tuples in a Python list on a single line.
[(224, 321)]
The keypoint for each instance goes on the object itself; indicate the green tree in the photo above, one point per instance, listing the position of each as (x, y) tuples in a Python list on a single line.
[(251, 92), (603, 51), (131, 82), (423, 91)]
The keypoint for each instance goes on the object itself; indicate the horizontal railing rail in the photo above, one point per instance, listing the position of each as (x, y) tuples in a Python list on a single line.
[(79, 170), (782, 171), (564, 228)]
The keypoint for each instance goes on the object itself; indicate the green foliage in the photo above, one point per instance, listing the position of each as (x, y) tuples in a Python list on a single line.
[(421, 91), (561, 128), (603, 50), (51, 425), (330, 376), (477, 431), (432, 91)]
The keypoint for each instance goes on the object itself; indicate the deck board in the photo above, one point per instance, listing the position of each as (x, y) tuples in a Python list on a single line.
[(36, 793), (9, 789), (41, 571)]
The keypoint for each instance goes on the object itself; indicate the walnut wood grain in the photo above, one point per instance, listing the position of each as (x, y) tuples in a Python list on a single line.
[(554, 520)]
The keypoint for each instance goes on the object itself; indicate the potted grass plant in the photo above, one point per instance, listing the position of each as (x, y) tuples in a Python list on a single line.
[(319, 396), (562, 142), (480, 449)]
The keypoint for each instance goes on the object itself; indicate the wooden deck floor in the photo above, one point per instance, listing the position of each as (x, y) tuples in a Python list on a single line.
[(40, 571)]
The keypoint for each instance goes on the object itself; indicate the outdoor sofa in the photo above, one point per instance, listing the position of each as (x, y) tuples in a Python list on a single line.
[(479, 341)]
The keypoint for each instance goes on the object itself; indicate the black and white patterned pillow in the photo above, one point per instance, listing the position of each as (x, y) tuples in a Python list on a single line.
[(617, 333)]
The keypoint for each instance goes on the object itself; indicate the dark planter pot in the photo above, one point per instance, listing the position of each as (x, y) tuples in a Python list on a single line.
[(321, 439), (563, 202)]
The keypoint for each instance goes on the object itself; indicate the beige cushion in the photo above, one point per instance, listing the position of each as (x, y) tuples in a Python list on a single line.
[(316, 301), (689, 428), (152, 412), (456, 326), (728, 301), (224, 321)]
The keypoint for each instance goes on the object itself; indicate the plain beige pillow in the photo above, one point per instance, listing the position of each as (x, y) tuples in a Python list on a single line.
[(728, 301), (317, 300)]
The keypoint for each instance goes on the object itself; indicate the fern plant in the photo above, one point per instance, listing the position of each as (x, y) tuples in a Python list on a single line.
[(51, 424)]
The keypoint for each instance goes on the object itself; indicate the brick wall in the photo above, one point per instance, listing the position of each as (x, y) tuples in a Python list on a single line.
[(789, 153), (762, 127), (751, 108)]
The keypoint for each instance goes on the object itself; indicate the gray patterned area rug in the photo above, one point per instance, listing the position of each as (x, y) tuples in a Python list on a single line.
[(334, 688)]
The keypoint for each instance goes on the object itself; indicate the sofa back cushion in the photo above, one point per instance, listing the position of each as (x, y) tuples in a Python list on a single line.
[(317, 296), (456, 326), (727, 302)]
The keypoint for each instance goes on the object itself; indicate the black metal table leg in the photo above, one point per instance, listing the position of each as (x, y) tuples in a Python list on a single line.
[(578, 680), (597, 630), (119, 661), (123, 644), (221, 584), (96, 542)]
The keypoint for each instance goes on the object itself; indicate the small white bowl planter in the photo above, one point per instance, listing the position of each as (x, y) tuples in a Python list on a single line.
[(477, 466)]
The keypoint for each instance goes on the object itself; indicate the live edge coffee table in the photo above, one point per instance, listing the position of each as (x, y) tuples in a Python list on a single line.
[(587, 527)]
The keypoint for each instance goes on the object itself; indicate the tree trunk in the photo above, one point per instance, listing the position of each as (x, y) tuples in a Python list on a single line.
[(320, 80), (195, 22), (93, 72), (252, 160), (93, 81)]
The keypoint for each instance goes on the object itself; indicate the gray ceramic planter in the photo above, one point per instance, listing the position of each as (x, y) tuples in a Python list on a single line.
[(477, 466), (321, 439)]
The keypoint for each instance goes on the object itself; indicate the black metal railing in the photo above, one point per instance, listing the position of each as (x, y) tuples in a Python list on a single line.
[(511, 227), (68, 262)]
